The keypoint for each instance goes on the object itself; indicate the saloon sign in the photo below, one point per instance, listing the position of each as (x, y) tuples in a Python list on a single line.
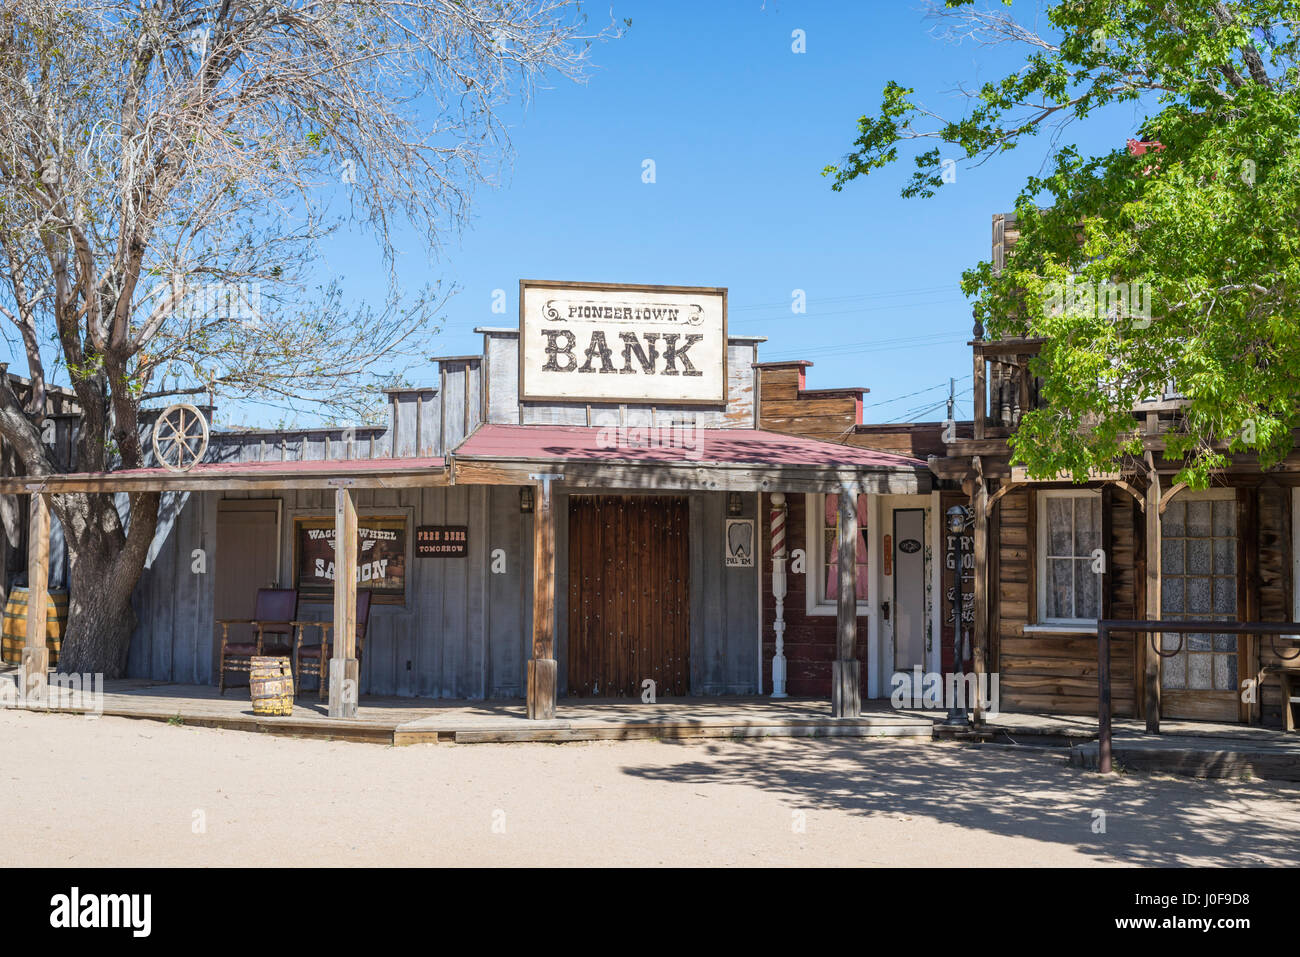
[(594, 341)]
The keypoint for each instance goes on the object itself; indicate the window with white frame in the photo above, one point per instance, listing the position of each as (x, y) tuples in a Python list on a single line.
[(1069, 531), (823, 554)]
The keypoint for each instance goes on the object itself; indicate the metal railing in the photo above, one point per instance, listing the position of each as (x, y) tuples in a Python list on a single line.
[(1290, 629)]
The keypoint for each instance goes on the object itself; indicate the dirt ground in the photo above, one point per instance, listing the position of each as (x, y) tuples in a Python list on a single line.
[(122, 792)]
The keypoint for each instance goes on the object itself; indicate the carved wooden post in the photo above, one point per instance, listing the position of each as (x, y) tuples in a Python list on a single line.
[(36, 655), (982, 585), (344, 673), (777, 517), (1151, 677), (846, 670), (543, 673)]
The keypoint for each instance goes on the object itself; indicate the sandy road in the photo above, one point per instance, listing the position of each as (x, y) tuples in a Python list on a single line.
[(122, 792)]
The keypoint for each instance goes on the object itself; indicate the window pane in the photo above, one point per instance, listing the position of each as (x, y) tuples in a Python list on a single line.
[(1087, 594), (1059, 588), (1225, 672), (1198, 596), (1198, 672), (1198, 519), (1225, 519), (1173, 671), (1171, 596), (1198, 557), (1087, 521), (1225, 556), (1175, 520), (1171, 556), (1225, 596), (1059, 515)]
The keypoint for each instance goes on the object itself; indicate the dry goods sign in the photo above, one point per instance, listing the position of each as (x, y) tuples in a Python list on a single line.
[(593, 341)]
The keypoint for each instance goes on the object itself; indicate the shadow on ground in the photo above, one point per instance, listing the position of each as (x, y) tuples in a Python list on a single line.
[(1150, 821)]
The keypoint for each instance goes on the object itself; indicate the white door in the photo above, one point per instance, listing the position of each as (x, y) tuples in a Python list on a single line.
[(905, 624)]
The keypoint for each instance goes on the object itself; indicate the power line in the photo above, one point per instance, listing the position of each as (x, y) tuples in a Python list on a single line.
[(922, 290), (941, 385), (893, 306)]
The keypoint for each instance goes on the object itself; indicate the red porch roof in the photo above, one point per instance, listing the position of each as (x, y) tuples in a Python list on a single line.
[(596, 444)]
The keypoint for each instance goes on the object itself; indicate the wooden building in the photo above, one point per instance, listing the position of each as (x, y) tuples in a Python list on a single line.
[(577, 510), (1169, 552)]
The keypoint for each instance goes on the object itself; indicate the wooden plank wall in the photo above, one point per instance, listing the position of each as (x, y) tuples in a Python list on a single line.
[(1058, 673), (465, 631), (832, 415)]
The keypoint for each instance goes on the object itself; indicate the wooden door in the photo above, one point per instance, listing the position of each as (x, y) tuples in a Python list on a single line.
[(1198, 579), (629, 595), (247, 558)]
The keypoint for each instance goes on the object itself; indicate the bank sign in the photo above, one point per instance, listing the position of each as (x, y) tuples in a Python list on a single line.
[(596, 342)]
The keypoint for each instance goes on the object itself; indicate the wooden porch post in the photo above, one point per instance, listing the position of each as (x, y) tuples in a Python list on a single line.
[(1151, 676), (543, 671), (36, 655), (846, 670), (344, 672), (981, 629)]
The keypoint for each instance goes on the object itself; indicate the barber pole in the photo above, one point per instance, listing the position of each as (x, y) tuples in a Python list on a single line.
[(777, 520)]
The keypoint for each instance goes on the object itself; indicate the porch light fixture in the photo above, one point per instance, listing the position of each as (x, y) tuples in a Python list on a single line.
[(526, 500), (734, 504)]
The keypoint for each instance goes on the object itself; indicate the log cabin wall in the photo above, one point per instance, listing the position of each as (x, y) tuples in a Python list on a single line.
[(1057, 673)]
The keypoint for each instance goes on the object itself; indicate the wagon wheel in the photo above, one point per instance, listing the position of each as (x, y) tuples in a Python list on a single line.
[(180, 437)]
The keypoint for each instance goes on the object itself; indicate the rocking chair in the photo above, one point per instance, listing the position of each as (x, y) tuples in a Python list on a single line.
[(314, 659)]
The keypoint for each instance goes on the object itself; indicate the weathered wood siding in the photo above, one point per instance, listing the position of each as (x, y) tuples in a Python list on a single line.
[(1057, 673), (465, 630)]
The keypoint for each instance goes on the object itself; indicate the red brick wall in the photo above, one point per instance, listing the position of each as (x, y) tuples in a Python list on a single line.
[(809, 639)]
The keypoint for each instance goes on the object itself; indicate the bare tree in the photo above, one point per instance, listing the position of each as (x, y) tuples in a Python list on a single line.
[(168, 169)]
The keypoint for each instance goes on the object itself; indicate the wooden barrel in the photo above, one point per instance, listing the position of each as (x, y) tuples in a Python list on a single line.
[(271, 684), (14, 633)]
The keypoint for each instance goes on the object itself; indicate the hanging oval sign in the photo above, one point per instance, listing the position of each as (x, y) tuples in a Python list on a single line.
[(909, 545)]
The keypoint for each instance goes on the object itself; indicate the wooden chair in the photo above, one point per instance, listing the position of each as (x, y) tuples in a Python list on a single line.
[(1288, 676), (314, 659), (273, 624)]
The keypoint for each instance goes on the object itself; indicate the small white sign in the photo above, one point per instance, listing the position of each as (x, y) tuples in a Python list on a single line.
[(665, 345), (740, 543)]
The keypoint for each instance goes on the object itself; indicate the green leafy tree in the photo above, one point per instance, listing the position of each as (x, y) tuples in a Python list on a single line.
[(1204, 219)]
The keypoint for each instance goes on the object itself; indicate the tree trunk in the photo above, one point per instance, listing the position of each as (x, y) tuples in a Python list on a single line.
[(105, 566)]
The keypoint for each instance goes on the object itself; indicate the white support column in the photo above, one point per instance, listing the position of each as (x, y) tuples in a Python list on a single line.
[(777, 516), (344, 670)]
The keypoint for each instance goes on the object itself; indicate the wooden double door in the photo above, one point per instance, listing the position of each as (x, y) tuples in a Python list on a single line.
[(629, 595)]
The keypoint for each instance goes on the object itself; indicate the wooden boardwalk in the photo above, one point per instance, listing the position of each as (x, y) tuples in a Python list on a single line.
[(402, 721), (1193, 748)]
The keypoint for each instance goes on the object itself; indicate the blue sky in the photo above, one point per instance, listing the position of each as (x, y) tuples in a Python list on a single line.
[(739, 127)]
